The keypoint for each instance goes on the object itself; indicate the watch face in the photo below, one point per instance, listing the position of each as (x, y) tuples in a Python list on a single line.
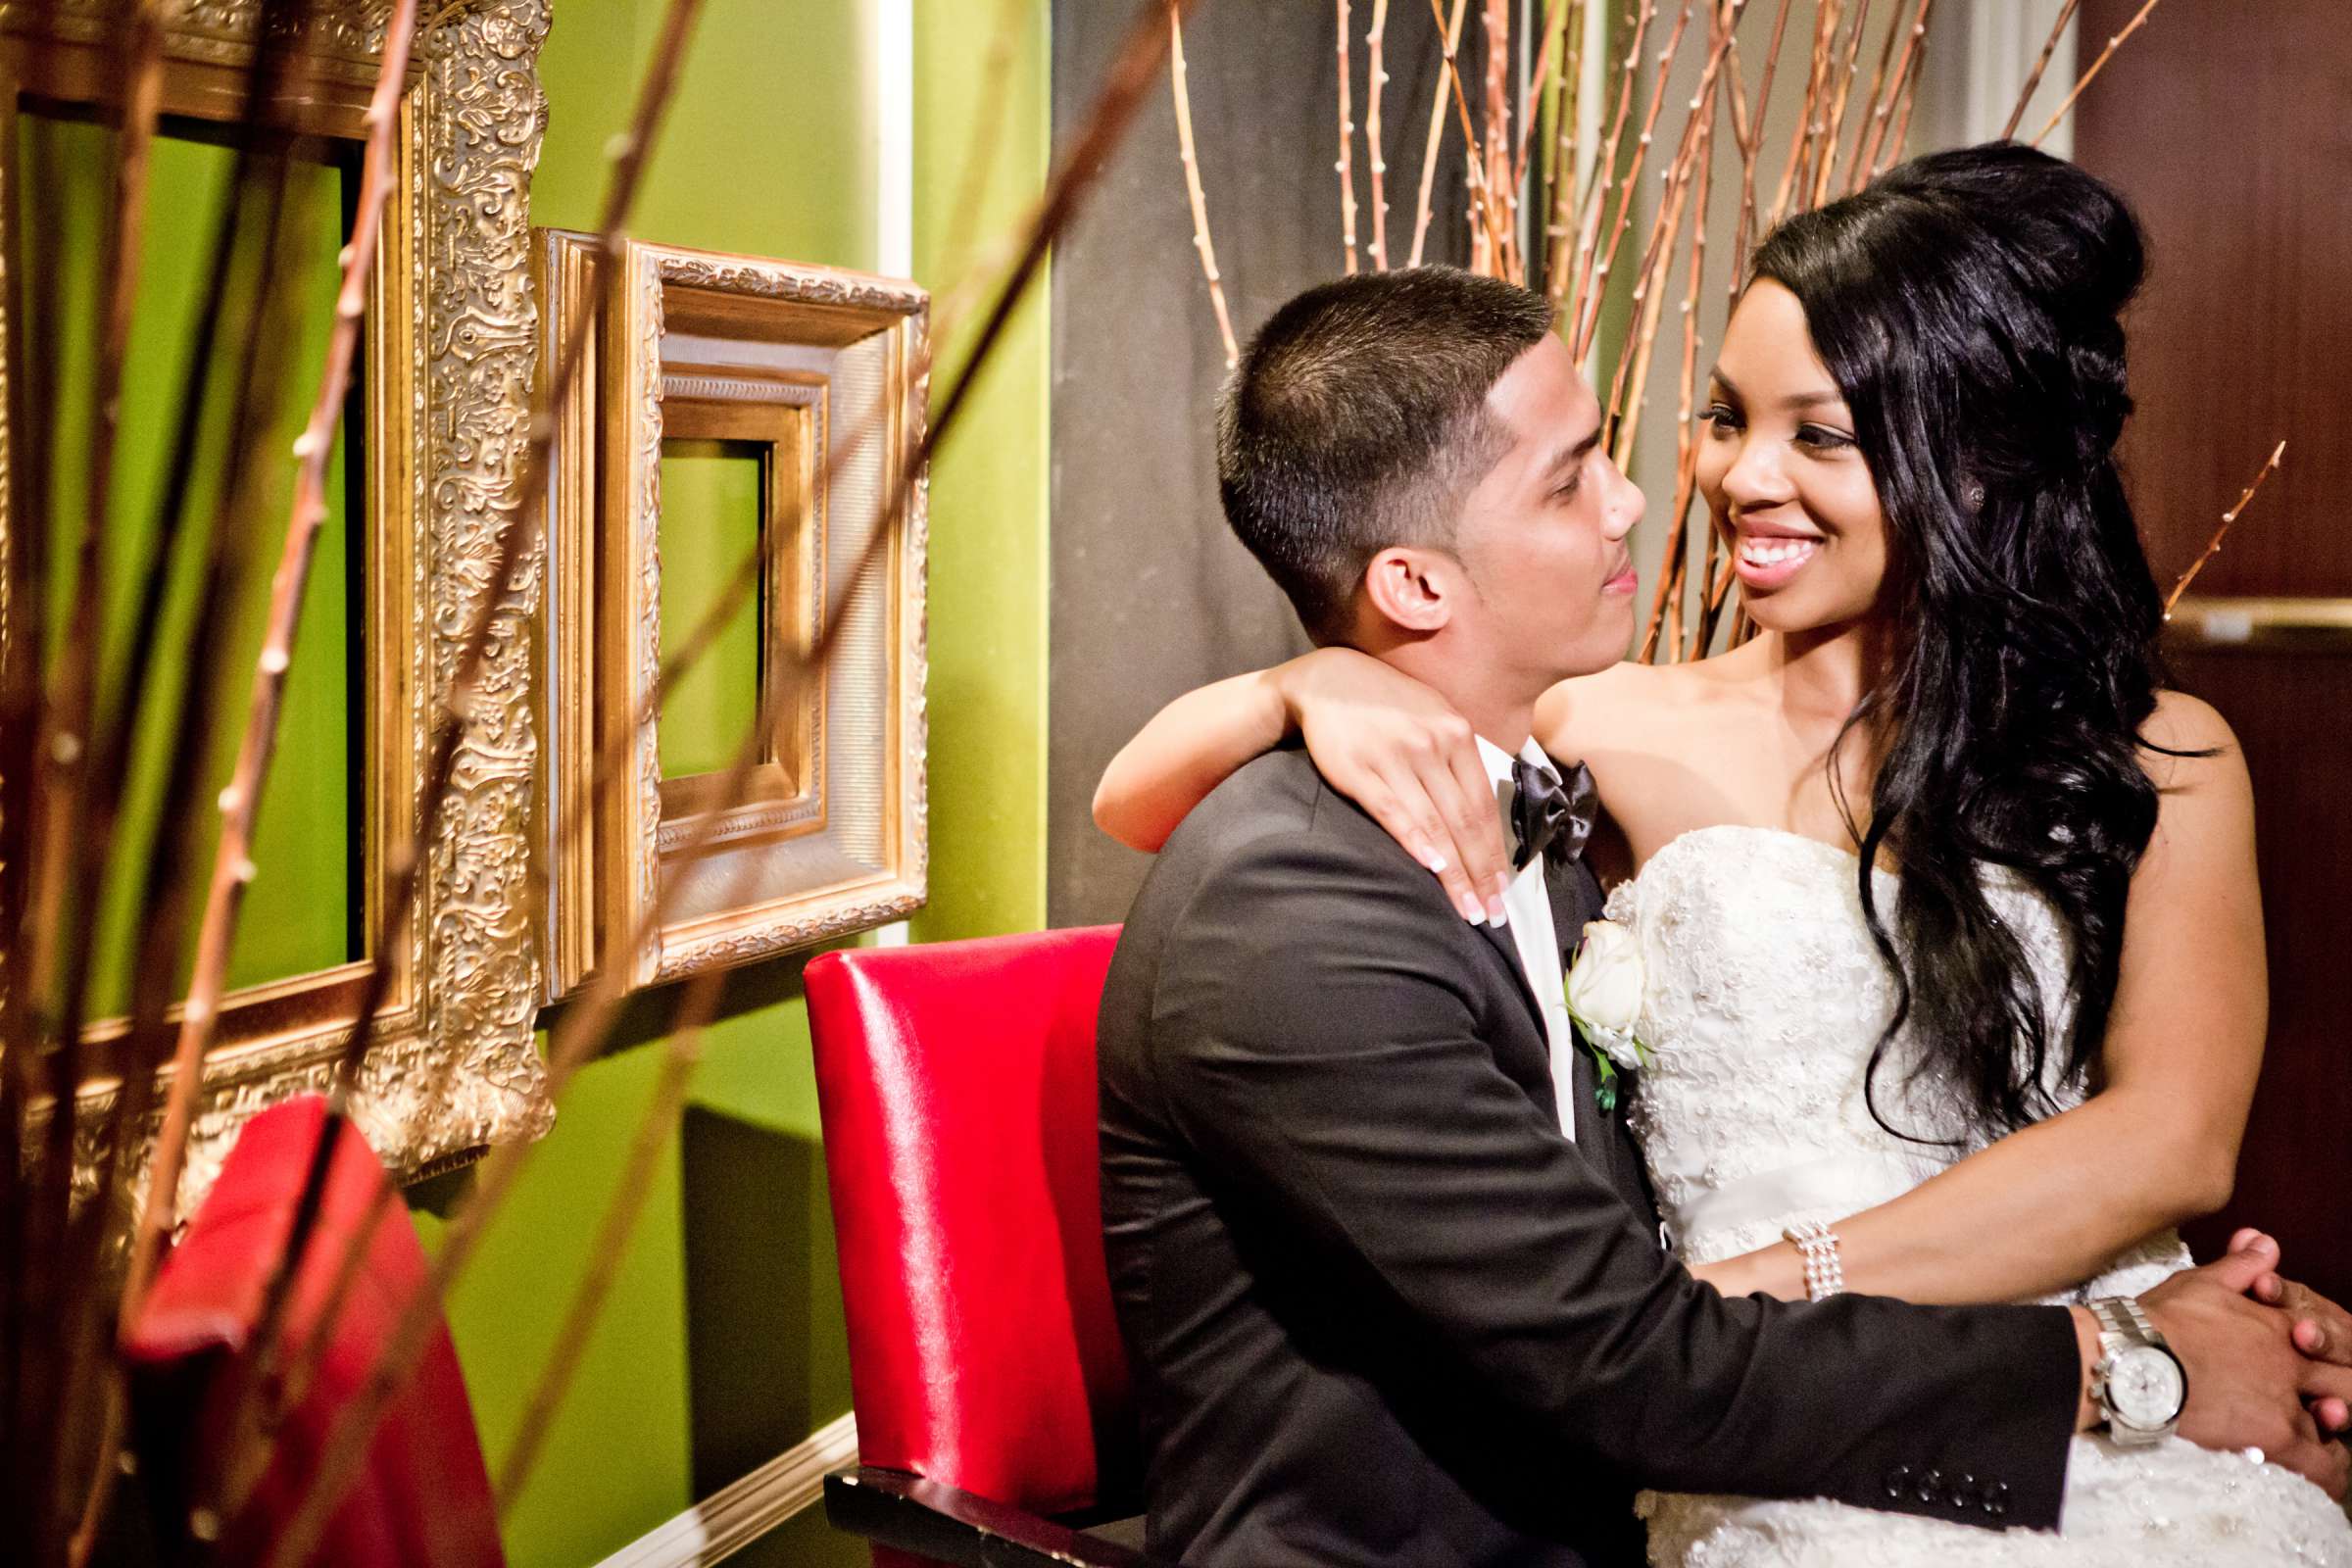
[(2145, 1388)]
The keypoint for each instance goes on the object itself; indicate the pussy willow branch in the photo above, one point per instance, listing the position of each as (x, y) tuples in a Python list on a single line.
[(2180, 587), (1496, 29), (1717, 573), (1905, 78), (2096, 66), (1605, 177), (1874, 108), (71, 879), (1192, 184), (1750, 143), (2042, 62), (1453, 35), (1826, 161), (266, 339), (36, 1061), (290, 1385), (1632, 180), (1345, 167), (1483, 217), (1793, 172), (74, 1324), (89, 816), (1691, 167), (1558, 225), (1902, 124), (629, 155), (1686, 455), (347, 1441), (1547, 43), (1657, 261), (232, 863), (36, 1417), (1376, 77)]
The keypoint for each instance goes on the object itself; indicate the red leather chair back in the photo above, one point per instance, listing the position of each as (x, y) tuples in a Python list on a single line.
[(957, 1088), (423, 1499)]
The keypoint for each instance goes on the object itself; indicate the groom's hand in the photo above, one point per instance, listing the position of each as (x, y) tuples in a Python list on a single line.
[(2248, 1383), (2323, 1329)]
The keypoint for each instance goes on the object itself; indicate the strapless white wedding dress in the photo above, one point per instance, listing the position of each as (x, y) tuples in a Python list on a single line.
[(1764, 998)]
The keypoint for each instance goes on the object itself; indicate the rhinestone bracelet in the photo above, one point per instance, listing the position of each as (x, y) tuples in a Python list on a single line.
[(1817, 1244)]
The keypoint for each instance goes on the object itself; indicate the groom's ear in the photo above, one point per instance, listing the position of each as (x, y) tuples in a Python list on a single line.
[(1411, 589)]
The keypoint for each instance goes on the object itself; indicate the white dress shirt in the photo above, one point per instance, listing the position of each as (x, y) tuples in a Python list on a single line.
[(1527, 911)]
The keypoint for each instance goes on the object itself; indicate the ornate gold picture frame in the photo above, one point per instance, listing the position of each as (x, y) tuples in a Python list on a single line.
[(449, 350), (817, 375)]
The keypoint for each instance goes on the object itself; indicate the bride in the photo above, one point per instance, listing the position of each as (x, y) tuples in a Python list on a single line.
[(1946, 910)]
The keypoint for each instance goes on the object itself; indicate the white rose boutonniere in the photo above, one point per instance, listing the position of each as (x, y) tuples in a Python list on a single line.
[(1604, 997)]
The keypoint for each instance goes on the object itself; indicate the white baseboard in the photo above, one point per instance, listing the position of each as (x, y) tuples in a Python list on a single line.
[(740, 1513)]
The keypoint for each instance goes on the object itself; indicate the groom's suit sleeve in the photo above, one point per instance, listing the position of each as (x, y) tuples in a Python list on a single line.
[(1316, 1040)]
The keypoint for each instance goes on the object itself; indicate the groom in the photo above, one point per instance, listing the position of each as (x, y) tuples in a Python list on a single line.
[(1391, 1281)]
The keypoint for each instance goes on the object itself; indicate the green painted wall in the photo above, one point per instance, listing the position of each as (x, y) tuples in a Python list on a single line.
[(722, 1342)]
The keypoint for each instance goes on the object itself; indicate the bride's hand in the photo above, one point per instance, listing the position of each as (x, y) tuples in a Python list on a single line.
[(2323, 1329), (1401, 751), (2248, 1387)]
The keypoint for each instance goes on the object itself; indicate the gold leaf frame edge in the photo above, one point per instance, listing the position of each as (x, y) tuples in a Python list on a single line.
[(464, 1072)]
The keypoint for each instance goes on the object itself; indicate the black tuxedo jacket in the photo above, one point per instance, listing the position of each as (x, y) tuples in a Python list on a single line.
[(1380, 1311)]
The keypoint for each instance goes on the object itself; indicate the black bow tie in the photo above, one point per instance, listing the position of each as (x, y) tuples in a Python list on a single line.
[(1548, 816)]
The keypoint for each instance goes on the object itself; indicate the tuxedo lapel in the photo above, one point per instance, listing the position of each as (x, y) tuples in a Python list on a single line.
[(1499, 938)]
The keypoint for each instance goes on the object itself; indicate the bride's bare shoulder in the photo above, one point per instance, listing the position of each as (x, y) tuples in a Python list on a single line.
[(1633, 705)]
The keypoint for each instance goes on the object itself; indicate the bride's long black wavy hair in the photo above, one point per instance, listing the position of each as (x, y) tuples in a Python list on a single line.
[(1966, 303)]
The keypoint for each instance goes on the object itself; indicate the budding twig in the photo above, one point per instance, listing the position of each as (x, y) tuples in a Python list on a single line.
[(1826, 157), (1825, 25), (1500, 189), (1873, 110), (1436, 135), (2096, 66), (2042, 62), (1377, 77), (2228, 517), (1481, 205), (1566, 107), (1904, 80), (1751, 141), (225, 896), (584, 1027), (1625, 192), (1345, 166), (1604, 175), (1192, 185)]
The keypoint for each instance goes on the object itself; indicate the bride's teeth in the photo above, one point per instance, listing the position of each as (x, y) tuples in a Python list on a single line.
[(1760, 553)]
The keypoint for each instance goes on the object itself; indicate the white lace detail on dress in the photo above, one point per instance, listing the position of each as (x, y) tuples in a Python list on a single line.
[(1764, 999)]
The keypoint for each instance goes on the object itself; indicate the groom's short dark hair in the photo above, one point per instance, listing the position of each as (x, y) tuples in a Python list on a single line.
[(1356, 420)]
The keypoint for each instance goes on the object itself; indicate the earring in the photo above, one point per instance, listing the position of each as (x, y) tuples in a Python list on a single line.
[(1973, 493)]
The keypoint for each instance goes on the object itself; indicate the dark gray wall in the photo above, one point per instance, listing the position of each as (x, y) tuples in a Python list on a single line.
[(1152, 595)]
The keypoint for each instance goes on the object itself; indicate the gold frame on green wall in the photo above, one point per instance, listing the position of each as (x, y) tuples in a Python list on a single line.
[(831, 834), (450, 343)]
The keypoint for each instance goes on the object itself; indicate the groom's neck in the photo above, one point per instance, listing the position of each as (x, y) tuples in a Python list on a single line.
[(1481, 690)]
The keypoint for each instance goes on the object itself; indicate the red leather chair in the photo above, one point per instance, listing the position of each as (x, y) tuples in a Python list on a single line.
[(423, 1500), (956, 1083)]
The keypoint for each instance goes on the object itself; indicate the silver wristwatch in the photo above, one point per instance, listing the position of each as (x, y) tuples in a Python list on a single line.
[(2139, 1383)]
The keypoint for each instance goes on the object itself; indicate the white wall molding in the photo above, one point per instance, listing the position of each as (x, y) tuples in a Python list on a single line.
[(893, 61), (733, 1517)]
